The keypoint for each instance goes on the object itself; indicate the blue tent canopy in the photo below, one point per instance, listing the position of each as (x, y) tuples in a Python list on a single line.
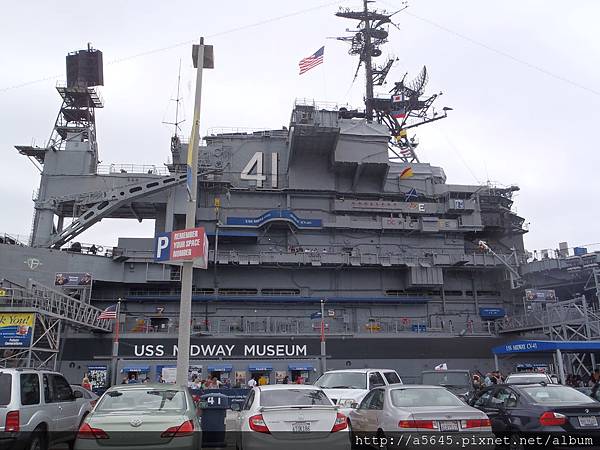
[(524, 346), (260, 368), (222, 368), (302, 367), (136, 369)]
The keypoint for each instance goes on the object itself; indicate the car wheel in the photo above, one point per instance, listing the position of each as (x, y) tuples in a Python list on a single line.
[(37, 441), (515, 442), (353, 441)]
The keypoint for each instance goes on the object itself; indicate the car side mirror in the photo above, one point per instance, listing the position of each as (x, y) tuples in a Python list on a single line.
[(354, 405), (235, 407), (77, 394)]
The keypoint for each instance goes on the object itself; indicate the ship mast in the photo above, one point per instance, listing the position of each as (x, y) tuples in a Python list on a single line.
[(403, 107)]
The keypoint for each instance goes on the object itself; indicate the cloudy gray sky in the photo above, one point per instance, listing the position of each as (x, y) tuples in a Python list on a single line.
[(523, 78)]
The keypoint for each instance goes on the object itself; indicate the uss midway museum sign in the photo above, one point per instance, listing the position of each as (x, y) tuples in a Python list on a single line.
[(153, 349)]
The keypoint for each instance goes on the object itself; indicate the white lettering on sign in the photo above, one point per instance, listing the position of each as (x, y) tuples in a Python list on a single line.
[(275, 350), (225, 350), (177, 235)]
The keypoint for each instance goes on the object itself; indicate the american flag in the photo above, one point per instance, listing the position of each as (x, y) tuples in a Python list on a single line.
[(311, 61), (109, 313)]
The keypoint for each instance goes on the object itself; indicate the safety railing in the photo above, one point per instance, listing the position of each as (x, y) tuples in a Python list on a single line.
[(257, 326), (131, 168)]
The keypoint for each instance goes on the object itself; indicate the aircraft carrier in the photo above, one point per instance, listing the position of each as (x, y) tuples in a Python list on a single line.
[(335, 205)]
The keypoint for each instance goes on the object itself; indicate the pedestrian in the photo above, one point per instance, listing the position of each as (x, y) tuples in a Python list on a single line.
[(487, 381), (85, 383), (286, 380), (299, 379), (252, 382)]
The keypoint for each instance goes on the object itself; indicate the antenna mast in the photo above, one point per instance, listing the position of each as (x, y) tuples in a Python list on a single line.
[(402, 108), (177, 101)]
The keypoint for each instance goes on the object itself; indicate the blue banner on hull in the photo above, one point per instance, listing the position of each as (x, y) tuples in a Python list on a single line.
[(273, 215)]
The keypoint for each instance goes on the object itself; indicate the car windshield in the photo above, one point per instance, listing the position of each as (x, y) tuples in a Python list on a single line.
[(525, 379), (5, 388), (556, 394), (406, 398), (343, 380), (443, 378), (287, 397), (145, 400)]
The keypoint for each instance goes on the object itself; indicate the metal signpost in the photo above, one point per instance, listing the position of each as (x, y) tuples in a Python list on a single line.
[(185, 308)]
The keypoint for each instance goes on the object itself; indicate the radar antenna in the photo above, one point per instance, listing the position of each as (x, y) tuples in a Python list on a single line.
[(405, 106)]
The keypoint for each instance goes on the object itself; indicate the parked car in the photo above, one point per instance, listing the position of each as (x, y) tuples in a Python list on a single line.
[(289, 416), (531, 378), (544, 410), (86, 396), (404, 414), (147, 415), (347, 387), (459, 382), (38, 408)]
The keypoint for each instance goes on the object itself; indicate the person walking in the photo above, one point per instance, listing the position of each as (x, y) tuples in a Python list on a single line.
[(85, 383), (252, 382)]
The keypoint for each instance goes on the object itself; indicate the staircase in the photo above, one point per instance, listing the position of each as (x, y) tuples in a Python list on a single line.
[(50, 302)]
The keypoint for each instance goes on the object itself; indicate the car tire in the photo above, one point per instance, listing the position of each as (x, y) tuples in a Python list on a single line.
[(352, 437), (38, 440), (514, 443)]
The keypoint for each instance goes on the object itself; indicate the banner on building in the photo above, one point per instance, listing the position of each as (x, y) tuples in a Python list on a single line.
[(16, 329), (72, 279), (540, 295)]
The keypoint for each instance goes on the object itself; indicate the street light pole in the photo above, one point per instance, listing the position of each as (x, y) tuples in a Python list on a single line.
[(323, 348), (185, 307)]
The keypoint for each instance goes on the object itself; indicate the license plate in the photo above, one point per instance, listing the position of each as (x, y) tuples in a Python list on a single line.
[(588, 421), (301, 427), (448, 425)]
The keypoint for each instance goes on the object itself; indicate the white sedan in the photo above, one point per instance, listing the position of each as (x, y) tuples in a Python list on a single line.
[(420, 417), (290, 416)]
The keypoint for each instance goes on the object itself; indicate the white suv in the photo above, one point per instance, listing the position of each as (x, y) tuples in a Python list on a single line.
[(38, 408), (530, 378), (347, 387)]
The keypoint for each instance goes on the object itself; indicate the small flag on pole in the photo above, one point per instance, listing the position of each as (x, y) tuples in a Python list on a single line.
[(399, 113), (311, 61), (406, 173), (412, 194), (109, 313)]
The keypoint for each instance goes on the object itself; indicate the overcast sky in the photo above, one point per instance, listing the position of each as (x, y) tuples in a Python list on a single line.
[(523, 78)]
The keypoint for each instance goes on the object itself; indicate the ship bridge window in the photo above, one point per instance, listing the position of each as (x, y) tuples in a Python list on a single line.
[(453, 293), (238, 291), (488, 293), (280, 291)]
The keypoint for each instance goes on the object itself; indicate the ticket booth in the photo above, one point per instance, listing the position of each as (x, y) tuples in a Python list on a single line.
[(262, 372), (304, 371), (166, 373), (220, 372), (134, 374)]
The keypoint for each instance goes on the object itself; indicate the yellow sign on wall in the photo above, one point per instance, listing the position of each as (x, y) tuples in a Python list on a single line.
[(16, 319), (16, 329)]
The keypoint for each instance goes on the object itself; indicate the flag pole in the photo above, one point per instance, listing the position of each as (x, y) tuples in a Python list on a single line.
[(115, 348), (323, 349)]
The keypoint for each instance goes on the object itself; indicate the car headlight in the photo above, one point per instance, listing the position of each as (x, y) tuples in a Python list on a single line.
[(346, 402)]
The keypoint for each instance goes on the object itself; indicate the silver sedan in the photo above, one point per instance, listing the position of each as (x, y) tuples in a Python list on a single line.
[(149, 416), (416, 416), (290, 416)]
